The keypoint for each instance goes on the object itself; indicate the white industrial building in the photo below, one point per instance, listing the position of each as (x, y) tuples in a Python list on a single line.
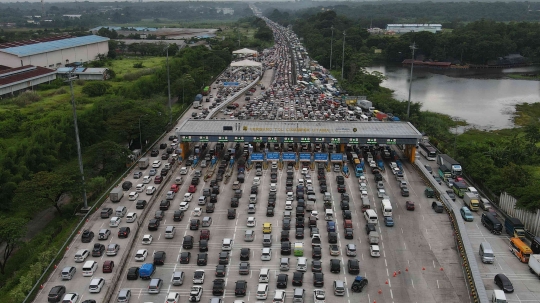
[(54, 53), (407, 28), (84, 73), (21, 78)]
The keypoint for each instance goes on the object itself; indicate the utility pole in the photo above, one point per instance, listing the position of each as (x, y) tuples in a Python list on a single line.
[(331, 46), (169, 89), (79, 154), (413, 47), (343, 57)]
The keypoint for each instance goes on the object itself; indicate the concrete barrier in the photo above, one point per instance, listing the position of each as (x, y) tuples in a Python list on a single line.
[(232, 98)]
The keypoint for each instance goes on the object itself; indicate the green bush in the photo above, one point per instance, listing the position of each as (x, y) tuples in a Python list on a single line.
[(96, 89), (138, 65), (26, 98)]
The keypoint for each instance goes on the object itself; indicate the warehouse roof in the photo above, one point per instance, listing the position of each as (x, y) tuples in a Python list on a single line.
[(404, 132), (23, 74), (49, 46)]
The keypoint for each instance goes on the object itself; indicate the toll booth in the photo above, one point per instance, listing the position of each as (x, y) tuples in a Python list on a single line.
[(289, 158), (321, 159), (305, 160), (337, 161), (256, 157), (272, 157)]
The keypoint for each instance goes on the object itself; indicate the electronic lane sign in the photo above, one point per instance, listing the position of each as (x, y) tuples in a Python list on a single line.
[(223, 139), (321, 157), (203, 138), (258, 139), (335, 140), (319, 140), (186, 138), (353, 141), (336, 157), (391, 141), (272, 140), (257, 157), (272, 156), (305, 140), (288, 139), (238, 139), (289, 156), (305, 157), (371, 141)]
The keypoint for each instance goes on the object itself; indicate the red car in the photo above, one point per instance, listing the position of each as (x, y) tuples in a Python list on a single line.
[(192, 189), (108, 266), (175, 188), (158, 179), (205, 234), (410, 205)]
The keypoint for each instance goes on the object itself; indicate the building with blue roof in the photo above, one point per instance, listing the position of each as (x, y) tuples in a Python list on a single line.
[(55, 54)]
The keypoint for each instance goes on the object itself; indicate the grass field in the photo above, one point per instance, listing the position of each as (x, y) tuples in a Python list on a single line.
[(125, 65)]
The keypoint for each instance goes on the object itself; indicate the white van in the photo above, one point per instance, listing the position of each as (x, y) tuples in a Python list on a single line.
[(114, 222), (486, 253), (81, 255), (498, 296), (253, 199), (298, 295), (121, 211), (473, 190), (183, 170), (89, 268), (371, 216), (284, 264), (328, 214), (266, 254), (279, 297), (169, 232), (262, 291), (301, 264), (226, 244), (264, 275)]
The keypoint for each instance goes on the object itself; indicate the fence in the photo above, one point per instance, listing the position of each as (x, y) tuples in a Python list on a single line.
[(531, 219)]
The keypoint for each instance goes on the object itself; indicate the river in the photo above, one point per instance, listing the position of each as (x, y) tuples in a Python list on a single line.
[(485, 99)]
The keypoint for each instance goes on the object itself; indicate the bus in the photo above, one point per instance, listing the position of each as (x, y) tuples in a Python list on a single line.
[(206, 90), (520, 249), (459, 189), (386, 208), (428, 151)]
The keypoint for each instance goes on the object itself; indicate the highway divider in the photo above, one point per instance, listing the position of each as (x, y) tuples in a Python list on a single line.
[(231, 99), (472, 274)]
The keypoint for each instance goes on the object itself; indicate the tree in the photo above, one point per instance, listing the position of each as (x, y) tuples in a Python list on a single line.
[(12, 229), (96, 89), (46, 189)]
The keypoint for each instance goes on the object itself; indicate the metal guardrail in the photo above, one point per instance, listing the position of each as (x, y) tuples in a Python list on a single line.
[(232, 98), (478, 290)]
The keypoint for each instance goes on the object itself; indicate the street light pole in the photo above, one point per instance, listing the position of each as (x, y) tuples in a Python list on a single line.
[(343, 57), (413, 47), (140, 133), (169, 88), (331, 46), (79, 153)]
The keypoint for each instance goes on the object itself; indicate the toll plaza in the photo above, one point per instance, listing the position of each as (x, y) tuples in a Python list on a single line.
[(299, 143)]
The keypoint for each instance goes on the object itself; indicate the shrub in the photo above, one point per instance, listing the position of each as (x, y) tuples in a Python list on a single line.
[(138, 65), (26, 98), (96, 89)]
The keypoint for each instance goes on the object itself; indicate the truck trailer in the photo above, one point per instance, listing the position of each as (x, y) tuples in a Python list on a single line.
[(143, 163), (514, 228), (451, 164), (116, 194), (534, 264), (471, 201)]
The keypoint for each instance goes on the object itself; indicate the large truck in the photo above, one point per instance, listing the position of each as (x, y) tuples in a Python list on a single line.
[(373, 237), (143, 163), (366, 105), (116, 194), (451, 164), (196, 104), (444, 173), (471, 201), (459, 189), (514, 227), (358, 167), (534, 264)]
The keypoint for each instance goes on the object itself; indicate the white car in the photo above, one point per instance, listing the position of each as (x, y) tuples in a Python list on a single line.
[(183, 170), (273, 187), (290, 196), (141, 255), (198, 276), (70, 298), (288, 205), (374, 251), (131, 217), (315, 214), (147, 179), (156, 164), (188, 197), (173, 297), (133, 196), (251, 208), (251, 222), (197, 212), (96, 284), (147, 239), (363, 186), (184, 206), (319, 296), (139, 188), (381, 192), (170, 195), (150, 190), (257, 181), (115, 221)]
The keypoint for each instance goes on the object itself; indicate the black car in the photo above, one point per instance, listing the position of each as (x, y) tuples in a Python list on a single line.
[(194, 224), (153, 224), (347, 214), (286, 224), (124, 232), (300, 222), (284, 235), (223, 258), (324, 188), (335, 265), (164, 204), (345, 197), (340, 180), (241, 288), (154, 153), (188, 242), (164, 171), (271, 202), (163, 146), (87, 236), (234, 202), (344, 205), (165, 156), (213, 198), (244, 254), (341, 188), (299, 233), (318, 279), (159, 257), (98, 250), (203, 245), (221, 270), (231, 213), (202, 259), (185, 256), (504, 283), (127, 185), (285, 248), (349, 233), (313, 230), (133, 273), (140, 204), (282, 280), (159, 215), (370, 227), (316, 266), (298, 278), (270, 211), (353, 266), (56, 293), (210, 207), (316, 252), (178, 215), (218, 287)]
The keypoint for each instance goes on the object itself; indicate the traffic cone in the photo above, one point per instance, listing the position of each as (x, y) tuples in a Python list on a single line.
[(406, 269), (395, 274), (380, 291), (86, 220), (41, 286), (67, 247), (79, 232), (423, 268), (399, 272), (386, 282), (55, 266), (441, 269)]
